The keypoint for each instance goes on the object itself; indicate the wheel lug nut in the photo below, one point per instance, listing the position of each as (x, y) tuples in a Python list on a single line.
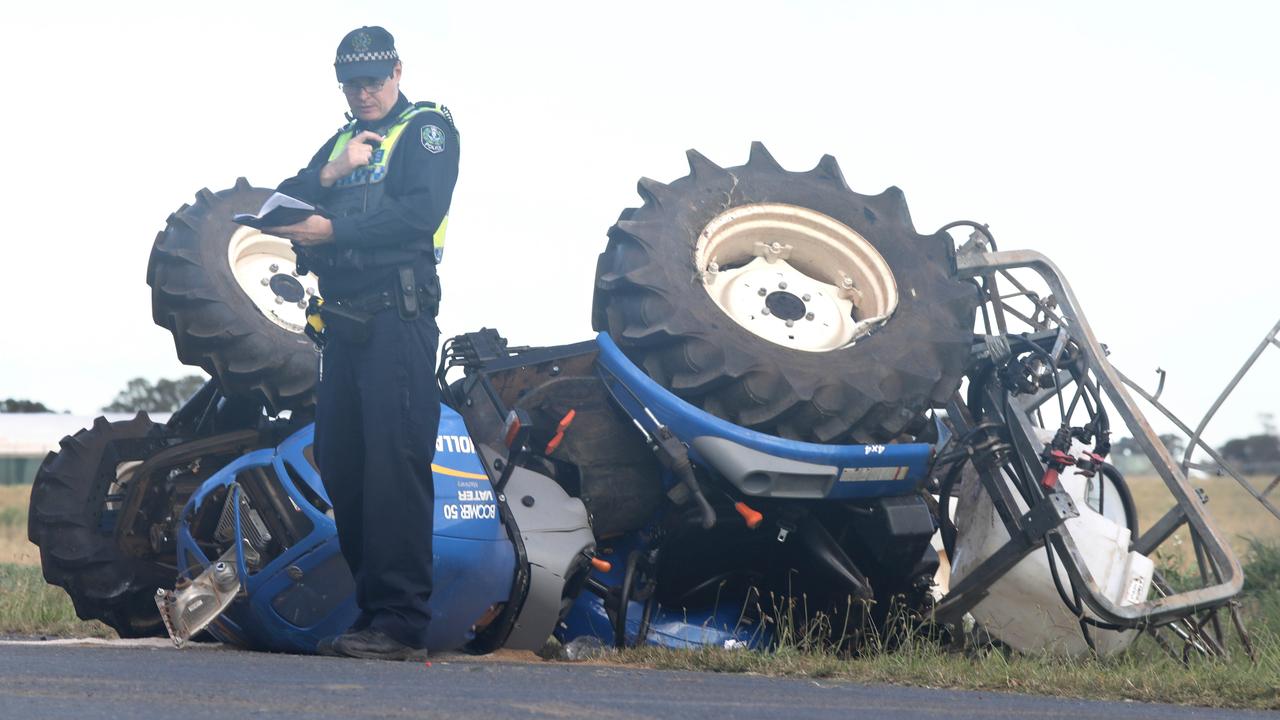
[(762, 292), (805, 297), (279, 300), (808, 316), (274, 268), (791, 323), (266, 282), (310, 291), (302, 304), (782, 286), (765, 311)]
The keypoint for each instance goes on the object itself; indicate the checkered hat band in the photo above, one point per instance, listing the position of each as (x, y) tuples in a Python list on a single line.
[(366, 57)]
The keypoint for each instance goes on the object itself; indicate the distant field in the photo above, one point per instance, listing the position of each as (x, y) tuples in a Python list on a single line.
[(14, 547), (1236, 514)]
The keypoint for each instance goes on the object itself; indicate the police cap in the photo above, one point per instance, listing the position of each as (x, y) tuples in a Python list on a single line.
[(365, 52)]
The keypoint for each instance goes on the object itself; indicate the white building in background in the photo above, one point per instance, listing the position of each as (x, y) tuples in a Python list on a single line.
[(25, 438)]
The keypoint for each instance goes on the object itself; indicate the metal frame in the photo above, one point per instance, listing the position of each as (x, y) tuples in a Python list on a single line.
[(1196, 635), (1220, 466), (1061, 312)]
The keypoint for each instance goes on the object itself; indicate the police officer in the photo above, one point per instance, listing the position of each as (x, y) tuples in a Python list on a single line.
[(384, 184)]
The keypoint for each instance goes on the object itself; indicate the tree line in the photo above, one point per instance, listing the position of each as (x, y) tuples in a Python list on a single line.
[(1257, 454), (139, 394)]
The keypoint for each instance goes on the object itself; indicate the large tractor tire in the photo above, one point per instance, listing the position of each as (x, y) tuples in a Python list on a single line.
[(75, 492), (233, 299), (785, 302)]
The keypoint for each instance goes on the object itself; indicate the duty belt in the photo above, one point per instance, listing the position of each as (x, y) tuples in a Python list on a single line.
[(349, 318), (407, 295), (368, 303)]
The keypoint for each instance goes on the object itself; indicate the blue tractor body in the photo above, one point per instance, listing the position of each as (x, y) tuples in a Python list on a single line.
[(481, 564), (306, 593), (835, 472)]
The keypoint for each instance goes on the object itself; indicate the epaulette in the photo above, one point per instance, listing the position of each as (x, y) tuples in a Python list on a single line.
[(444, 112)]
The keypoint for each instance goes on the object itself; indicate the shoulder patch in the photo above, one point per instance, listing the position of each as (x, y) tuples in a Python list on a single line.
[(433, 138)]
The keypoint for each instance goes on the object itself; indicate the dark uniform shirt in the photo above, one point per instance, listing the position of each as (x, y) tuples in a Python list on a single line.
[(419, 184)]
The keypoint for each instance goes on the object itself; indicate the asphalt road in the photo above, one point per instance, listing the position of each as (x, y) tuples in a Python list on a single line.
[(115, 681)]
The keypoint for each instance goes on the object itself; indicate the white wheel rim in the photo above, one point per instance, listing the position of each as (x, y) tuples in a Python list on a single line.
[(124, 475), (794, 276), (266, 269)]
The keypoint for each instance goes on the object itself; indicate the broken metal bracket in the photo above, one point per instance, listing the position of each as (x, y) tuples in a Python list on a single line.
[(190, 607), (1048, 514), (1226, 579)]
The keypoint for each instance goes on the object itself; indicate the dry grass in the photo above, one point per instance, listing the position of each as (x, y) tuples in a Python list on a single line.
[(29, 606), (14, 546), (1236, 684), (1230, 508)]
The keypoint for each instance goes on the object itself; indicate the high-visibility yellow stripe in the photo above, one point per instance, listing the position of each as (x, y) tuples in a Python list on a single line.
[(457, 473), (388, 144), (438, 239), (388, 140)]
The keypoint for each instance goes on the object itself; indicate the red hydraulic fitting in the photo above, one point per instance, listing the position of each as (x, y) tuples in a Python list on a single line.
[(1058, 461), (1089, 464)]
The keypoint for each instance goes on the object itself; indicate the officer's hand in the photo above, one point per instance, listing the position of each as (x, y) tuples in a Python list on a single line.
[(356, 154), (314, 230)]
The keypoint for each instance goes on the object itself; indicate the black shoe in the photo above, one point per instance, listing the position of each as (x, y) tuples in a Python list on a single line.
[(372, 644), (326, 646)]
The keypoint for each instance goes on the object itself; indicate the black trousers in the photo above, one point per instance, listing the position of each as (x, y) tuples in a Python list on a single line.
[(377, 413)]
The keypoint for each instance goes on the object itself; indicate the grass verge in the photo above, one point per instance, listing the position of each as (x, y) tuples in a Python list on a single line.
[(1142, 673), (14, 546), (30, 607), (1131, 676)]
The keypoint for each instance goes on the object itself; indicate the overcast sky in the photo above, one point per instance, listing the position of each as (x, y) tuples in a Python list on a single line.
[(1134, 143)]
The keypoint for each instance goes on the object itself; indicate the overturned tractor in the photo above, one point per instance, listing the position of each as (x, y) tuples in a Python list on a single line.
[(797, 409)]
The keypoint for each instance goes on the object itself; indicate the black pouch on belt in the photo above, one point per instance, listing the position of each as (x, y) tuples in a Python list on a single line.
[(345, 323), (407, 294), (429, 295)]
